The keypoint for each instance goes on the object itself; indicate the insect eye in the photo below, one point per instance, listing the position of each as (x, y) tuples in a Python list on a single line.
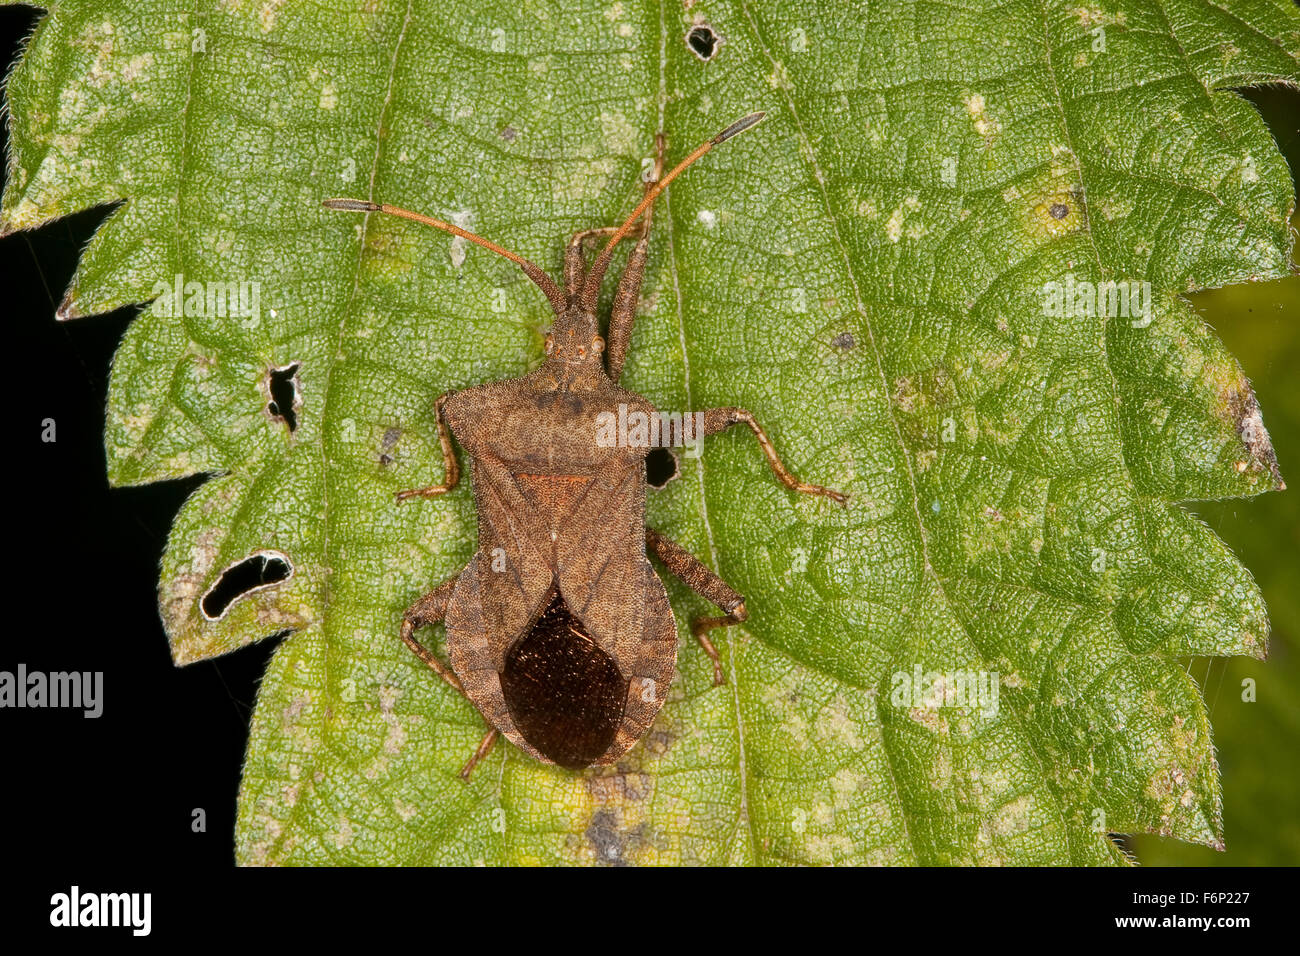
[(598, 344)]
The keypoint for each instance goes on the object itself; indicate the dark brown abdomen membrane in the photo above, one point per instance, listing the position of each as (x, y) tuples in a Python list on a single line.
[(564, 693)]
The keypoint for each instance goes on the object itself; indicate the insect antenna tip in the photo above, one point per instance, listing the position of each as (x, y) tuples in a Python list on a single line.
[(742, 124), (350, 205)]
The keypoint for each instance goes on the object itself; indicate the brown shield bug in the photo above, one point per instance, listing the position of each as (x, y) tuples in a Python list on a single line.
[(559, 630)]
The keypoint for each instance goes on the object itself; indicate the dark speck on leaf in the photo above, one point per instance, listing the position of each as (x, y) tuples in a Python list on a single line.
[(605, 839), (1059, 210), (509, 133), (844, 340)]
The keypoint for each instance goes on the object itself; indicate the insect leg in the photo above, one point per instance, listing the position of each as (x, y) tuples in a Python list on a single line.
[(451, 468), (484, 746), (718, 419), (430, 609), (692, 572), (623, 313)]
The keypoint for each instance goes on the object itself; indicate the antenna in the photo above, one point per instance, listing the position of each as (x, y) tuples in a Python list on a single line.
[(532, 270), (591, 285)]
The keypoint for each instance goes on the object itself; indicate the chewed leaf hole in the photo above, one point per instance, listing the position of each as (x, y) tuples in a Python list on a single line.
[(704, 41), (282, 384), (258, 571), (660, 467)]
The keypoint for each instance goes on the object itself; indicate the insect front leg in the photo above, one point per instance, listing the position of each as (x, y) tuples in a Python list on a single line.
[(692, 572), (718, 419), (431, 609), (451, 468)]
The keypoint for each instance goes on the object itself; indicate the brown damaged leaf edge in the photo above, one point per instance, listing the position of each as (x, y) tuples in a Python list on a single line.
[(559, 630), (1244, 413)]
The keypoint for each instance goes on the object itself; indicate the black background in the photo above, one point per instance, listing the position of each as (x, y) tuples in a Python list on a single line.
[(108, 803)]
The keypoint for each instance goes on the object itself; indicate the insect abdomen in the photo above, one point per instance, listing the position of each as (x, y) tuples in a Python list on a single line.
[(564, 693)]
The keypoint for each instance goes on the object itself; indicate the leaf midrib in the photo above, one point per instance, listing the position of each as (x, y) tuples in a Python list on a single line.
[(327, 568)]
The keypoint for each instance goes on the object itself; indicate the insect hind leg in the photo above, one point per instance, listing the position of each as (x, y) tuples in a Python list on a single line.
[(484, 747)]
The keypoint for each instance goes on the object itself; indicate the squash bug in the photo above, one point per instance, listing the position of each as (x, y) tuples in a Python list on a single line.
[(559, 630)]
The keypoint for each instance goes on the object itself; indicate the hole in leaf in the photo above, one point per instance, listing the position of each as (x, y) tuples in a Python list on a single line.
[(703, 41), (282, 383), (263, 569), (660, 467)]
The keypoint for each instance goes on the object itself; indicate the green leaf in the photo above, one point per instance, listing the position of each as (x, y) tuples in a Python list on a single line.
[(864, 271), (1253, 704)]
